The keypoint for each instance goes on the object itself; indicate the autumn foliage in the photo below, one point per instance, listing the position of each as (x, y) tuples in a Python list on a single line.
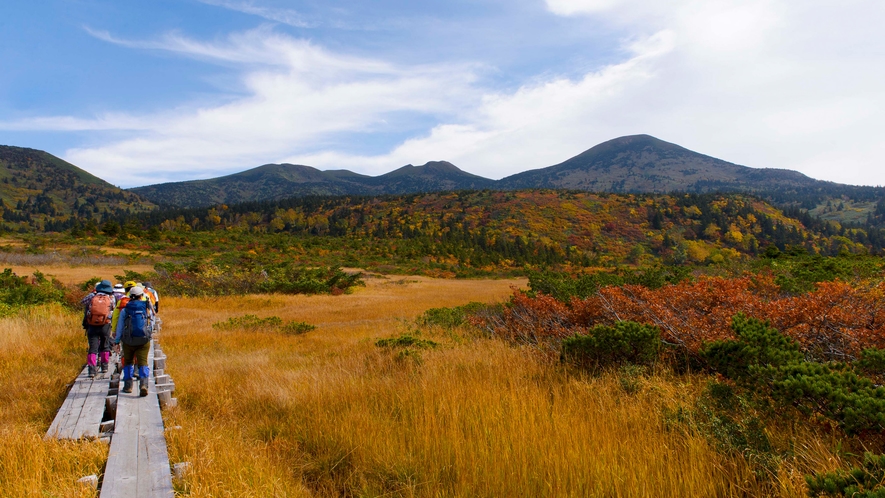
[(835, 321)]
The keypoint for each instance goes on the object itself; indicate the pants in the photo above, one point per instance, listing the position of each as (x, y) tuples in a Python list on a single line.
[(99, 343), (139, 354)]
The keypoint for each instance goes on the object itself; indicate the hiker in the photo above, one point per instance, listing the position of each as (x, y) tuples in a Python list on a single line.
[(149, 288), (134, 332), (99, 306), (150, 295), (119, 293)]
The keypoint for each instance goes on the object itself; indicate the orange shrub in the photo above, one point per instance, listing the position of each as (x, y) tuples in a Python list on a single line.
[(835, 321)]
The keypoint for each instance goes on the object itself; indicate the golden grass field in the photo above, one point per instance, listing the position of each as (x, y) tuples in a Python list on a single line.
[(328, 413)]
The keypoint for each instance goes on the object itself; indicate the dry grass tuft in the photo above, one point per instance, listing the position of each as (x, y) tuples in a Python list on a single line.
[(41, 350)]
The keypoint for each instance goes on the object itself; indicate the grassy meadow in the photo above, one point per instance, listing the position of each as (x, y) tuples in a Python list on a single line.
[(41, 350), (330, 413)]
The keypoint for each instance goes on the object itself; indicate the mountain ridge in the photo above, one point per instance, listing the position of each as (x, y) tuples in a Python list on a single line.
[(629, 164)]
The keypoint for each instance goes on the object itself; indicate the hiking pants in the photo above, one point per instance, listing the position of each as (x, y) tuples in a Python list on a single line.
[(99, 343), (132, 354)]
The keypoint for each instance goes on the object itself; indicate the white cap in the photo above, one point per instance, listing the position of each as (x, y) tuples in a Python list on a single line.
[(136, 291)]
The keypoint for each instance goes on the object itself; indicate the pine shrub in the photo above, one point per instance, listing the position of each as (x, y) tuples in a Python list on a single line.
[(621, 344), (757, 345), (866, 481)]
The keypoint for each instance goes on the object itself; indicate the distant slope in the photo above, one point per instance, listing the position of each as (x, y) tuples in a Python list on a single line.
[(39, 190), (279, 181), (642, 163)]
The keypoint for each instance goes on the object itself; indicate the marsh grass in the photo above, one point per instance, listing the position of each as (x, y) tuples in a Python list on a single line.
[(329, 413), (332, 414), (41, 350)]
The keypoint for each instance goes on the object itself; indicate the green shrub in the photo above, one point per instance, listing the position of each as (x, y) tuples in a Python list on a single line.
[(564, 287), (769, 362), (249, 322), (451, 317), (831, 390), (297, 328), (254, 323), (757, 344), (603, 346), (871, 362), (630, 377), (867, 481), (89, 285), (406, 340), (16, 291)]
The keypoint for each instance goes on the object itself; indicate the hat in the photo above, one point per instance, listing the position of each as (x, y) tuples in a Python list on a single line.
[(146, 284), (136, 291), (129, 284), (105, 287), (118, 286)]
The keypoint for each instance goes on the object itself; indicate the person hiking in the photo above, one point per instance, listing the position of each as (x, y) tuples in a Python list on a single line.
[(119, 292), (134, 333), (156, 295), (97, 322)]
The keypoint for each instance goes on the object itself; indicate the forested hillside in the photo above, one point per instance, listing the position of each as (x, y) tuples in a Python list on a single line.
[(39, 191), (488, 230)]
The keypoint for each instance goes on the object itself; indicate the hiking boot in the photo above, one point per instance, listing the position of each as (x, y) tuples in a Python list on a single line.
[(103, 368), (90, 371), (127, 386), (143, 387)]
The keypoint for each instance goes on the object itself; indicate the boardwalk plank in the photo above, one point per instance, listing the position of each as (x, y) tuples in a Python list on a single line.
[(78, 395), (138, 462), (63, 412), (89, 421)]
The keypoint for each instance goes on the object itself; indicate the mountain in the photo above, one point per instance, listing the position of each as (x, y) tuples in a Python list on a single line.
[(642, 163), (39, 190), (635, 164), (278, 181)]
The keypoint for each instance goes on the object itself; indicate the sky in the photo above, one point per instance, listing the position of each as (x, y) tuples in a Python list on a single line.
[(140, 93)]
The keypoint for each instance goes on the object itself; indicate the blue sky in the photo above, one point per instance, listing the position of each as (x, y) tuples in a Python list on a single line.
[(146, 92)]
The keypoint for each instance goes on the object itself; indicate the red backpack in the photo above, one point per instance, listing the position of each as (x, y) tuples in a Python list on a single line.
[(100, 309)]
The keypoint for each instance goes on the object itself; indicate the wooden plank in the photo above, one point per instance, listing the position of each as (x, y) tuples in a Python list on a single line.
[(89, 421), (64, 411), (120, 478), (138, 462), (78, 394)]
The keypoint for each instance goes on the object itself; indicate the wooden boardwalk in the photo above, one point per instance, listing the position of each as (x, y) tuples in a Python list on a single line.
[(138, 463), (81, 413)]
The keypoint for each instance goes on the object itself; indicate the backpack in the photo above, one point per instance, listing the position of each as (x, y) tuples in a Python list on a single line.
[(136, 326), (100, 308)]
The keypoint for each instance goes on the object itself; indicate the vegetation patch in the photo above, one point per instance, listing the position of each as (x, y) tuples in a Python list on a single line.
[(864, 481), (450, 318), (270, 323), (18, 292), (624, 343), (406, 340), (219, 277)]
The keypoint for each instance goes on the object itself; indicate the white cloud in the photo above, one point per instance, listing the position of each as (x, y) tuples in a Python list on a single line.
[(766, 83), (295, 95), (286, 16)]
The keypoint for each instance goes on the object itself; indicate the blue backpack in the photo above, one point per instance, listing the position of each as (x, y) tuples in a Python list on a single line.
[(136, 326)]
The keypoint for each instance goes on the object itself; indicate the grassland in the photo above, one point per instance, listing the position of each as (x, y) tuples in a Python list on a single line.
[(330, 413), (41, 351)]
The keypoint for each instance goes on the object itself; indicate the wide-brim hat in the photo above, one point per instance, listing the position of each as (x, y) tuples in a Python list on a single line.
[(105, 287)]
